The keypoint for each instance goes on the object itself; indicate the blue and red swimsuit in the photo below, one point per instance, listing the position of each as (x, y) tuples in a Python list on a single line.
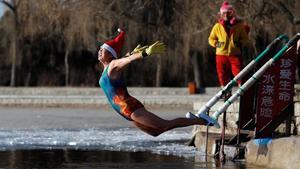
[(118, 96)]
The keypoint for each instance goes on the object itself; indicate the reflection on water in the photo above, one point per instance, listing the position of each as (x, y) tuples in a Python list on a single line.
[(61, 159)]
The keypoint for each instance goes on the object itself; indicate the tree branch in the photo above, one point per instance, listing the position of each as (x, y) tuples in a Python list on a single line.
[(283, 8), (9, 5), (286, 11)]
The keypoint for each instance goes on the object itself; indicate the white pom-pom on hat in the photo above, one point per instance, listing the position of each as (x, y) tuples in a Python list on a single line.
[(120, 30)]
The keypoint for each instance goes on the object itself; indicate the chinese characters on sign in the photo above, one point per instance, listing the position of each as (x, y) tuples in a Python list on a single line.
[(266, 104), (285, 78), (276, 88)]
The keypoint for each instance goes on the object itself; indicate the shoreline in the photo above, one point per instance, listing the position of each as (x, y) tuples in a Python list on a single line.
[(94, 97)]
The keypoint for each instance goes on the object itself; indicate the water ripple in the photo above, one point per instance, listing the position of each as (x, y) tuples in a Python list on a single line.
[(125, 139)]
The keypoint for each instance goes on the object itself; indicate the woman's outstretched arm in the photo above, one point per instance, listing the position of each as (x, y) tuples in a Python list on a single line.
[(117, 65)]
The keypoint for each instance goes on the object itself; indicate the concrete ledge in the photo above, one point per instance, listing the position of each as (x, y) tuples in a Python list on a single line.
[(282, 153), (80, 96), (88, 91), (200, 140)]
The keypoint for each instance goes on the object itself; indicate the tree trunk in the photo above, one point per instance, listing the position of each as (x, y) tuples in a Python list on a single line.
[(67, 67), (186, 55), (158, 72), (14, 41), (197, 72), (28, 78), (13, 61), (298, 62)]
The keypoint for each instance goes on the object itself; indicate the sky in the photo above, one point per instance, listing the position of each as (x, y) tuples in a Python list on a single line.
[(1, 9)]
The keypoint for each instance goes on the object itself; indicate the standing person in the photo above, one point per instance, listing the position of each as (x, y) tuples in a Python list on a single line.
[(229, 35), (114, 87)]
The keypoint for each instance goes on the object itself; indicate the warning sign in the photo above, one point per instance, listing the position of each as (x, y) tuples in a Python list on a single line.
[(276, 89)]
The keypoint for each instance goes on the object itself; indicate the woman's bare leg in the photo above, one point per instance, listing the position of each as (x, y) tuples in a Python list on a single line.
[(154, 125), (148, 130)]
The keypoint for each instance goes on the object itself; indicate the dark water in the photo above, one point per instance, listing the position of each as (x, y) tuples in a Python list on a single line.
[(62, 138), (77, 159)]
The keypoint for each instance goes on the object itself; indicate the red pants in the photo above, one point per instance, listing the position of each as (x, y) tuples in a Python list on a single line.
[(225, 66)]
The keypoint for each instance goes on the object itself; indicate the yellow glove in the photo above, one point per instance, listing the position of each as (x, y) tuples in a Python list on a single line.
[(156, 48), (138, 49)]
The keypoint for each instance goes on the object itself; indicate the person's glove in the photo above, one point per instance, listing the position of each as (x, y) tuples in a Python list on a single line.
[(138, 49), (156, 48), (219, 44)]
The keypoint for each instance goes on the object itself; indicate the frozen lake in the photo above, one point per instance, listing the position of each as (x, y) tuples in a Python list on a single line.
[(90, 137)]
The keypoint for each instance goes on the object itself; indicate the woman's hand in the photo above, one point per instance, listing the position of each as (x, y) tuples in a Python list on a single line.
[(156, 48), (219, 44), (138, 49)]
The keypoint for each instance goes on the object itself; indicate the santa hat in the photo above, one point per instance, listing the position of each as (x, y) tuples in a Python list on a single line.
[(226, 7), (114, 46)]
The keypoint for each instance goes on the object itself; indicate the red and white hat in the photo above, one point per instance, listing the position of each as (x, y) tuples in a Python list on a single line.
[(226, 7), (114, 46)]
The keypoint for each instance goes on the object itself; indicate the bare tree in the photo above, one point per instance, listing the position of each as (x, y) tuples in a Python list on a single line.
[(73, 21), (78, 33), (55, 30), (13, 6)]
